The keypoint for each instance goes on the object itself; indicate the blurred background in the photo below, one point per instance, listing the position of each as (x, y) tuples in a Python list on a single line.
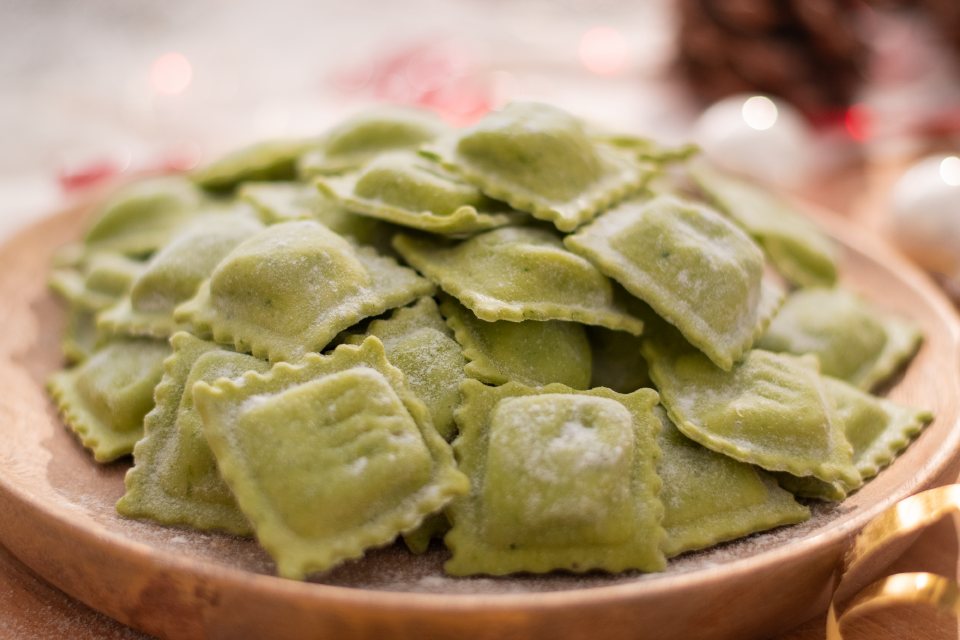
[(859, 90), (853, 104)]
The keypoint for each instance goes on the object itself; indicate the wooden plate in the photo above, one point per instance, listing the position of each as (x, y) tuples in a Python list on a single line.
[(57, 515)]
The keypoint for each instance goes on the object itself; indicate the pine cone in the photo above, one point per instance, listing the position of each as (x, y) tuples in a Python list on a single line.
[(805, 51)]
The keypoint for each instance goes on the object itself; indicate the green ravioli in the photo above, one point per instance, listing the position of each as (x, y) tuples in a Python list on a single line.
[(519, 273), (329, 457), (175, 479), (361, 138), (96, 282), (710, 498), (101, 280), (877, 428), (693, 267), (293, 287), (771, 409), (419, 343), (105, 399), (142, 217), (80, 335), (285, 201), (852, 341), (272, 160), (409, 190), (174, 274), (532, 353), (541, 160), (798, 249), (561, 479)]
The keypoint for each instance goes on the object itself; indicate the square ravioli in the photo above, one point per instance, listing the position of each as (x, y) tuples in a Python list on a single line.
[(799, 251), (693, 267), (104, 399), (271, 160), (98, 282), (329, 457), (519, 273), (709, 497), (771, 409), (530, 352), (419, 343), (877, 428), (175, 479), (409, 190), (541, 160), (285, 201), (852, 341), (292, 288), (142, 217), (359, 139), (561, 479), (174, 274)]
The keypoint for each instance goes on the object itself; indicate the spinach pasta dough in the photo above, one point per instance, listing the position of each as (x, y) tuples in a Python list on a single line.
[(852, 341), (541, 160), (141, 218), (694, 268), (407, 189), (520, 337), (708, 497), (770, 409), (328, 457), (293, 287), (519, 273), (173, 275), (368, 134), (530, 352), (797, 248), (175, 479), (105, 399), (419, 343), (561, 479)]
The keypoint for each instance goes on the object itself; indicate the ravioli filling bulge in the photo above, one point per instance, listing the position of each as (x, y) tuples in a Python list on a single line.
[(341, 439)]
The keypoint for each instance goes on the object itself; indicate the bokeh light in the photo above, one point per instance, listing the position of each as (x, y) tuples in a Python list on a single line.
[(171, 74), (859, 122), (950, 170), (183, 157), (759, 113), (603, 50)]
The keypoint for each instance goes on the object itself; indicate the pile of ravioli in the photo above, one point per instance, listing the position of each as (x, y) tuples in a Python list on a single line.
[(552, 345)]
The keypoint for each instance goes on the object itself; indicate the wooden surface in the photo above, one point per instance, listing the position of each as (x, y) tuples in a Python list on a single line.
[(32, 608)]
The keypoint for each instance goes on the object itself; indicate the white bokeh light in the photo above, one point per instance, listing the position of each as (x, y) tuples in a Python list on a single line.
[(925, 214), (757, 136), (950, 170), (603, 50), (759, 113), (171, 74)]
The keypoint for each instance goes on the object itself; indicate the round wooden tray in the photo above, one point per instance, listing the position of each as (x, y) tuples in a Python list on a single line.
[(58, 516)]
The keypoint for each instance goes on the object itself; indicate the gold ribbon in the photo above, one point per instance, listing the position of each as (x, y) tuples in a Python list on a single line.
[(906, 518)]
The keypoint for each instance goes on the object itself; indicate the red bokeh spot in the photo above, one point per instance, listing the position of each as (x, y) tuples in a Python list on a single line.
[(88, 174), (859, 121)]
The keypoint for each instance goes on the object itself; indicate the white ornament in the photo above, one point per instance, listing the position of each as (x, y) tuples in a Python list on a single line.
[(758, 136), (925, 214)]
